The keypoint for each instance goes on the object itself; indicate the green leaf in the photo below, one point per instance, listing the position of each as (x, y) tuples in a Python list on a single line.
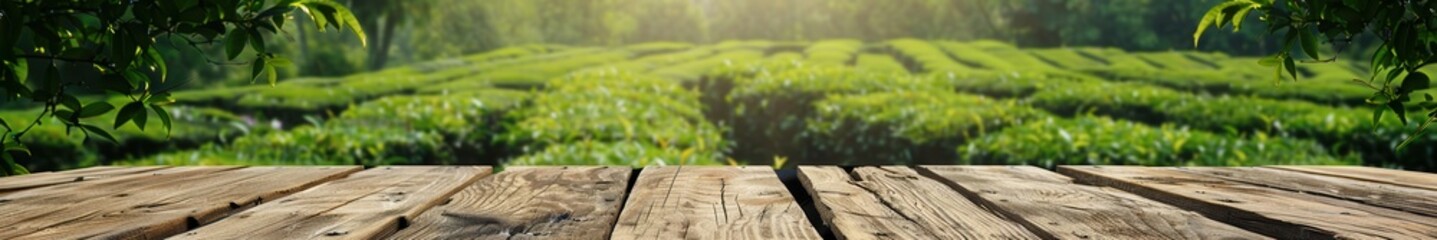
[(136, 78), (164, 117), (95, 109), (1239, 16), (1309, 42), (257, 69), (21, 68), (13, 146), (159, 62), (161, 99), (256, 40), (273, 75), (1377, 116), (4, 124), (235, 41), (64, 114), (1415, 81), (1290, 66), (128, 112), (97, 131), (1401, 112), (70, 102)]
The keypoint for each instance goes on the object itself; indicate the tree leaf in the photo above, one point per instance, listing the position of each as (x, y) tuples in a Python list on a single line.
[(1309, 42), (159, 62), (1401, 112), (96, 109), (164, 118), (1415, 81), (70, 102), (1377, 116), (1239, 16), (136, 78), (257, 69), (97, 131), (235, 42), (256, 40), (273, 75), (127, 113), (1291, 67), (4, 124)]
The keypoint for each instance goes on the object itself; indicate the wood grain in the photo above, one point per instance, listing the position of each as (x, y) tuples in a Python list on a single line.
[(366, 205), (1382, 175), (688, 202), (1052, 203), (529, 203), (22, 182), (25, 212), (1416, 200), (898, 203), (1273, 212), (158, 211)]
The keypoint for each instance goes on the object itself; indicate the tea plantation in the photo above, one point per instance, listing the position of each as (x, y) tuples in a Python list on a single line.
[(903, 101)]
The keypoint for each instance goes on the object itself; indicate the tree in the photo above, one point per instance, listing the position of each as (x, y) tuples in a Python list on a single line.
[(108, 48), (1405, 29)]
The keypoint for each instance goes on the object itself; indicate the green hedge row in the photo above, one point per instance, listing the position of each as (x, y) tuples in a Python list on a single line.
[(879, 63), (926, 56), (1102, 141), (1347, 130), (644, 115), (433, 129), (918, 127), (833, 52)]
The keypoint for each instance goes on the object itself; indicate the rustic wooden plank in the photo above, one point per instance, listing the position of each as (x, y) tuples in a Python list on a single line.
[(1382, 175), (688, 202), (897, 202), (158, 211), (25, 212), (370, 204), (851, 210), (23, 182), (1416, 200), (1052, 203), (1273, 212), (529, 202)]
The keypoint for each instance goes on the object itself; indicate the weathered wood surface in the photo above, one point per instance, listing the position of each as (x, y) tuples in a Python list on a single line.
[(22, 182), (897, 202), (688, 202), (1382, 175), (370, 204), (529, 203), (1052, 203), (1273, 212), (26, 212), (1416, 200), (158, 211)]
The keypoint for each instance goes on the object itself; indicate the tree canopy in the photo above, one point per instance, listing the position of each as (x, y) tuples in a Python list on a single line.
[(1404, 27), (70, 57)]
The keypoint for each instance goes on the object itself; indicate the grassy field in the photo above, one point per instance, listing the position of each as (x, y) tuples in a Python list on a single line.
[(903, 101)]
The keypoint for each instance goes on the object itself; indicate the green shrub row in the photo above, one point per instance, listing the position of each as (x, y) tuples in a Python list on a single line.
[(1101, 141), (1347, 130), (55, 147), (636, 113), (421, 129), (919, 127), (1069, 59), (879, 63), (926, 56), (693, 70), (833, 52)]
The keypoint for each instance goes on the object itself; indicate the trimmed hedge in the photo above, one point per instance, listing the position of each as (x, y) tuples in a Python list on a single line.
[(920, 127), (615, 107), (1103, 141)]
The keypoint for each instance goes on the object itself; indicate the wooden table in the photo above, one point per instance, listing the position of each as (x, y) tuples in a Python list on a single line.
[(693, 202)]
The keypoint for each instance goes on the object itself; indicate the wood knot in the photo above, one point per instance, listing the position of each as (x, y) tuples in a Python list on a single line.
[(335, 233)]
